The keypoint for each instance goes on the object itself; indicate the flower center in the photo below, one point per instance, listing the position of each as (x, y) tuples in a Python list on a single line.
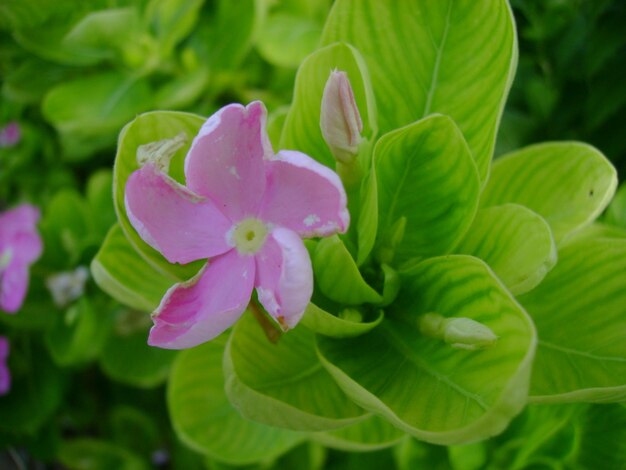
[(248, 236)]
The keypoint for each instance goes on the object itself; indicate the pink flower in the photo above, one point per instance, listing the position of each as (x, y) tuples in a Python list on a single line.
[(20, 246), (246, 209), (10, 135), (5, 375)]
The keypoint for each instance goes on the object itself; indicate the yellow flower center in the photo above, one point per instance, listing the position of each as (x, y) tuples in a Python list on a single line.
[(248, 236)]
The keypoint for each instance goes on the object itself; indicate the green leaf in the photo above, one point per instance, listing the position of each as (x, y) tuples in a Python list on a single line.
[(285, 40), (65, 229), (78, 334), (616, 212), (146, 128), (468, 457), (426, 387), (99, 194), (283, 384), (127, 358), (204, 419), (181, 92), (302, 126), (325, 323), (515, 242), (596, 231), (567, 183), (101, 33), (88, 125), (580, 313), (123, 274), (417, 53), (275, 124), (367, 223), (427, 189), (338, 276), (29, 81), (45, 38), (93, 454), (172, 20), (373, 433), (216, 40), (17, 15), (538, 433)]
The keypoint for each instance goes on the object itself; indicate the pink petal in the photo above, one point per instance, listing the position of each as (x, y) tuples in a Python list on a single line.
[(284, 277), (13, 286), (200, 309), (225, 161), (181, 225), (27, 247), (20, 219), (304, 195)]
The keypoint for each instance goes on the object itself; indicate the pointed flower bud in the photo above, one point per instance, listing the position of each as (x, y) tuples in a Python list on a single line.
[(340, 119), (461, 333)]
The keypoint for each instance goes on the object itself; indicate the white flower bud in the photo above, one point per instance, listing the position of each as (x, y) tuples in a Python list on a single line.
[(340, 119), (67, 286), (461, 333)]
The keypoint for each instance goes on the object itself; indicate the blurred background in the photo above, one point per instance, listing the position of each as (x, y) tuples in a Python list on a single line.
[(88, 392)]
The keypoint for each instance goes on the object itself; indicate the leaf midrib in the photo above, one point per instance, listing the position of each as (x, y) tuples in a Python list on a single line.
[(399, 343), (435, 76), (576, 352)]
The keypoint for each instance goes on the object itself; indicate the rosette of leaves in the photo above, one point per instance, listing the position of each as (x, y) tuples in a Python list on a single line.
[(437, 227)]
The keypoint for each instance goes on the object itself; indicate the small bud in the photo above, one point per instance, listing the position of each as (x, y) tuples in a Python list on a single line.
[(351, 314), (67, 286), (465, 333), (340, 119), (161, 152), (461, 333)]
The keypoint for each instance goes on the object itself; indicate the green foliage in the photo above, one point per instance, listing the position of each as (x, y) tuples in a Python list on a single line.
[(569, 184), (204, 418), (427, 190), (530, 248), (515, 242), (412, 82), (581, 325), (284, 384), (301, 128), (123, 274), (450, 401)]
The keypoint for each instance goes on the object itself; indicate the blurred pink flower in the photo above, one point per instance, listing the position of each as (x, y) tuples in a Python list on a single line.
[(20, 246), (5, 375), (10, 135), (244, 207)]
